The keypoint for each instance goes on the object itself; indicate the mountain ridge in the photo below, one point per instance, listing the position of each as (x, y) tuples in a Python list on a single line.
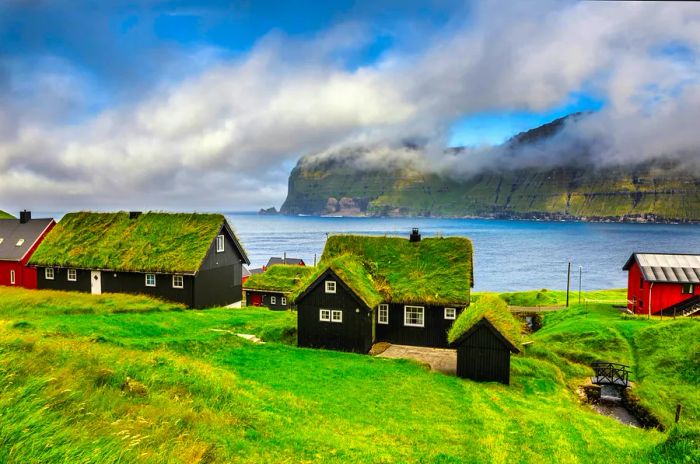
[(653, 191)]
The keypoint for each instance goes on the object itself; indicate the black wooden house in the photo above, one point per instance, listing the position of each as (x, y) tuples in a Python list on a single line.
[(485, 337), (369, 289), (272, 288), (194, 259)]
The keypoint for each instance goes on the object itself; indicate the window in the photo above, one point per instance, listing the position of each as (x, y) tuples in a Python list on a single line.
[(413, 316), (178, 281), (1, 240), (330, 286), (641, 282), (688, 289), (72, 275), (337, 316), (150, 280), (383, 315), (12, 277), (325, 315), (219, 243), (273, 300), (450, 313), (641, 304), (284, 301), (20, 242), (48, 273)]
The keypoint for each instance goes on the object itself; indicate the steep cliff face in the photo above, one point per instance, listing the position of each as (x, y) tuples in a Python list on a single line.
[(649, 191)]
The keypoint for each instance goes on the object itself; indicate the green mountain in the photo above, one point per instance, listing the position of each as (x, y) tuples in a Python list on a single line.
[(4, 215), (652, 191)]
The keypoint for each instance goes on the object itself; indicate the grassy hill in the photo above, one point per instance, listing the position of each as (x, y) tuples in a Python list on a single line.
[(128, 379), (4, 215)]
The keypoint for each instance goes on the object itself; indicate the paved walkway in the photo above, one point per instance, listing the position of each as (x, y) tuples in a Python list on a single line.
[(439, 359)]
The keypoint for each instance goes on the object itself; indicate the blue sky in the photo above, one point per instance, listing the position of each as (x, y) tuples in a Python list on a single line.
[(170, 104)]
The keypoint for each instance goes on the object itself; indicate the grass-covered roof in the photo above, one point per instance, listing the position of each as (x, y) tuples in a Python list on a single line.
[(280, 277), (431, 271), (157, 242), (354, 274), (4, 215), (496, 311)]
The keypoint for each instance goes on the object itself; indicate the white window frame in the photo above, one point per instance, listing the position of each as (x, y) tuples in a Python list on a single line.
[(451, 314), (383, 310), (20, 242), (337, 316), (220, 243), (273, 300), (181, 279), (49, 273), (283, 301), (154, 280), (72, 272), (2, 239), (12, 276), (324, 315), (331, 286), (411, 324)]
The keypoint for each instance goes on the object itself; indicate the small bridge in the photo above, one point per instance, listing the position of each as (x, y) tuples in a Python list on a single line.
[(607, 373)]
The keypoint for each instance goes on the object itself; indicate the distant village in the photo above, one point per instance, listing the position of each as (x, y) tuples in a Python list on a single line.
[(365, 290)]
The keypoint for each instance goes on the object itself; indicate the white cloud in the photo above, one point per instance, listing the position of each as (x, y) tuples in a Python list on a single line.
[(219, 139)]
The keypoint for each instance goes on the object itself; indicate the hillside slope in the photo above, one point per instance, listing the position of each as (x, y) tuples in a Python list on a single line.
[(4, 215), (650, 191)]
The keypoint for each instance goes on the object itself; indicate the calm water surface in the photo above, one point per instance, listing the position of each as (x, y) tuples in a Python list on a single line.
[(508, 255)]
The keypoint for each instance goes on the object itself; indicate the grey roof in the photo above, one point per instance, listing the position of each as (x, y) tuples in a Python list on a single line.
[(292, 261), (13, 232), (255, 270), (246, 272), (671, 268)]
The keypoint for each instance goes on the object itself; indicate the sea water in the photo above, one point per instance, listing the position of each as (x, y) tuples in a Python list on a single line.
[(508, 255)]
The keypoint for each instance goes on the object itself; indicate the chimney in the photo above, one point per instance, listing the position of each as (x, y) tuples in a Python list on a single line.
[(415, 236), (134, 214), (25, 216), (284, 260)]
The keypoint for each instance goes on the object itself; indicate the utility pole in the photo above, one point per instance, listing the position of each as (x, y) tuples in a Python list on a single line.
[(568, 283), (580, 273)]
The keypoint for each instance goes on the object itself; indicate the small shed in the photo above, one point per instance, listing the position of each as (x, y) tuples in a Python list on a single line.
[(485, 336)]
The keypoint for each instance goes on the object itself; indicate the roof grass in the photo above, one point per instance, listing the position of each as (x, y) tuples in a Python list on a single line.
[(4, 215), (280, 277), (432, 271), (495, 310), (156, 242)]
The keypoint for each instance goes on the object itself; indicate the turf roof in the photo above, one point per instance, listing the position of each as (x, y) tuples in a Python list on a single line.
[(157, 242), (496, 311), (392, 269), (354, 274), (280, 277)]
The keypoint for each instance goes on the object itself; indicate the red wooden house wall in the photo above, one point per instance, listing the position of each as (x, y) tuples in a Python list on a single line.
[(25, 276), (663, 295)]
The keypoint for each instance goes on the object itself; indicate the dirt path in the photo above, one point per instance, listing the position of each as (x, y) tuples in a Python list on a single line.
[(439, 359)]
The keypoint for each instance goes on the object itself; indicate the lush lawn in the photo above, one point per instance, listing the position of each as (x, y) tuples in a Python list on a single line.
[(201, 394), (545, 297)]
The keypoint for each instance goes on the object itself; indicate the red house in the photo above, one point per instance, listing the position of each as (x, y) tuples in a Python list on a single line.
[(660, 283), (18, 240)]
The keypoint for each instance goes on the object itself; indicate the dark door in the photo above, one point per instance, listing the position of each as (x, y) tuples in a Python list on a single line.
[(255, 299)]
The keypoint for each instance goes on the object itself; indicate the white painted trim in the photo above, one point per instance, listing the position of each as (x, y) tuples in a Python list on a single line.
[(46, 273), (339, 313), (327, 317), (154, 280), (329, 284), (75, 275), (453, 316), (220, 243), (405, 316), (273, 299), (12, 277), (182, 281), (283, 301), (379, 314)]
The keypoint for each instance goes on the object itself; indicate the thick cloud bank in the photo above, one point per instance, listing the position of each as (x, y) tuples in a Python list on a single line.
[(225, 137)]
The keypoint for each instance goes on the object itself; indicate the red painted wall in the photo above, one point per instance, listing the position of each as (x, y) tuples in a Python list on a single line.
[(25, 276), (663, 295)]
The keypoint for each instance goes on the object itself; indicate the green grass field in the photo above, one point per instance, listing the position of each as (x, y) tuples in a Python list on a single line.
[(198, 393)]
